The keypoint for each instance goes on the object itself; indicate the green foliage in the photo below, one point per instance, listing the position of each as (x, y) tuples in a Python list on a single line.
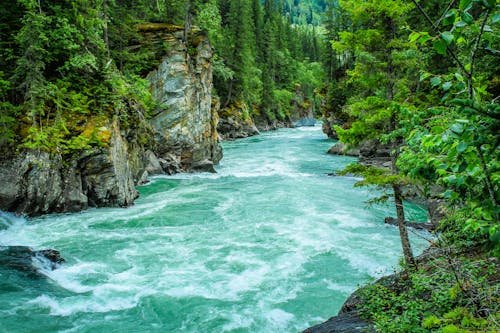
[(444, 115), (445, 295), (456, 145), (261, 56), (283, 99)]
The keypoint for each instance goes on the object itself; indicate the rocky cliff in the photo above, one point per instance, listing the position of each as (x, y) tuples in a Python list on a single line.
[(185, 123), (182, 136), (36, 182)]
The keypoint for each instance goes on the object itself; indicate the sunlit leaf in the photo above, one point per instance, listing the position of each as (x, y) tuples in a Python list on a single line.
[(462, 146), (448, 37), (435, 81), (447, 86)]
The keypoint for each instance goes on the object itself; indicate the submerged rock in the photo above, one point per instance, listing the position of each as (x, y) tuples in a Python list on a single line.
[(27, 260)]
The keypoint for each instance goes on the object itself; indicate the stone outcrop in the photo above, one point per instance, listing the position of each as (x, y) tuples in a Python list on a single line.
[(340, 148), (35, 183), (349, 322), (302, 112), (182, 137), (185, 124), (235, 122), (370, 152)]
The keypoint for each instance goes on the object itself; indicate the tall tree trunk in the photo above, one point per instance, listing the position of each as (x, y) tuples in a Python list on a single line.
[(403, 232), (398, 196)]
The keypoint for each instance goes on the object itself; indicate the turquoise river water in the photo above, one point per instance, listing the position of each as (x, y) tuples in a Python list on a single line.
[(270, 243)]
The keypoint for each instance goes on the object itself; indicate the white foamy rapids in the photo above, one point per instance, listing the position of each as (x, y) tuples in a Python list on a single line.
[(8, 220), (343, 288), (16, 231), (72, 305)]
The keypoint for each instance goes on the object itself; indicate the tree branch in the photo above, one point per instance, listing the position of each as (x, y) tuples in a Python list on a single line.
[(436, 29), (452, 2), (474, 52)]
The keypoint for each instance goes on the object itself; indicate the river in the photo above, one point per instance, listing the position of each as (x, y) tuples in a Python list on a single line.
[(270, 243)]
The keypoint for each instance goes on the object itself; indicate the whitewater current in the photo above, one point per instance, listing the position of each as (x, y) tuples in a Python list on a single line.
[(270, 243)]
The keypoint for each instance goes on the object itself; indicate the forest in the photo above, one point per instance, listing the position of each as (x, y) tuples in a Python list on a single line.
[(421, 77), (65, 60)]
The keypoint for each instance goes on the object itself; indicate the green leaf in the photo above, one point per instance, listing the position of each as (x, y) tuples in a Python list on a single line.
[(414, 36), (488, 28), (424, 75), (489, 3), (462, 146), (435, 81), (467, 18), (459, 77), (424, 38), (495, 18), (440, 46), (448, 37), (464, 4), (457, 128), (447, 86)]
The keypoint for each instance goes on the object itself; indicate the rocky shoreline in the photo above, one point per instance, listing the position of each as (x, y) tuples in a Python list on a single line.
[(349, 319)]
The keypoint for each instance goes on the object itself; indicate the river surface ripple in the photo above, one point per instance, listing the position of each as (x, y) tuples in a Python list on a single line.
[(270, 243)]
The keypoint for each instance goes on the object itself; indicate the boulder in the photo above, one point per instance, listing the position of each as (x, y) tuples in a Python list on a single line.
[(341, 148), (27, 260), (235, 122), (349, 322)]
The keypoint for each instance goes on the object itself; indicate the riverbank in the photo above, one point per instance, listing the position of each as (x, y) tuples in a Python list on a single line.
[(452, 290)]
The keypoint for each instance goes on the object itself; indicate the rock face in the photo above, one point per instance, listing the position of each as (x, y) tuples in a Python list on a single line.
[(235, 122), (302, 113), (184, 138), (35, 183), (349, 322), (185, 125)]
